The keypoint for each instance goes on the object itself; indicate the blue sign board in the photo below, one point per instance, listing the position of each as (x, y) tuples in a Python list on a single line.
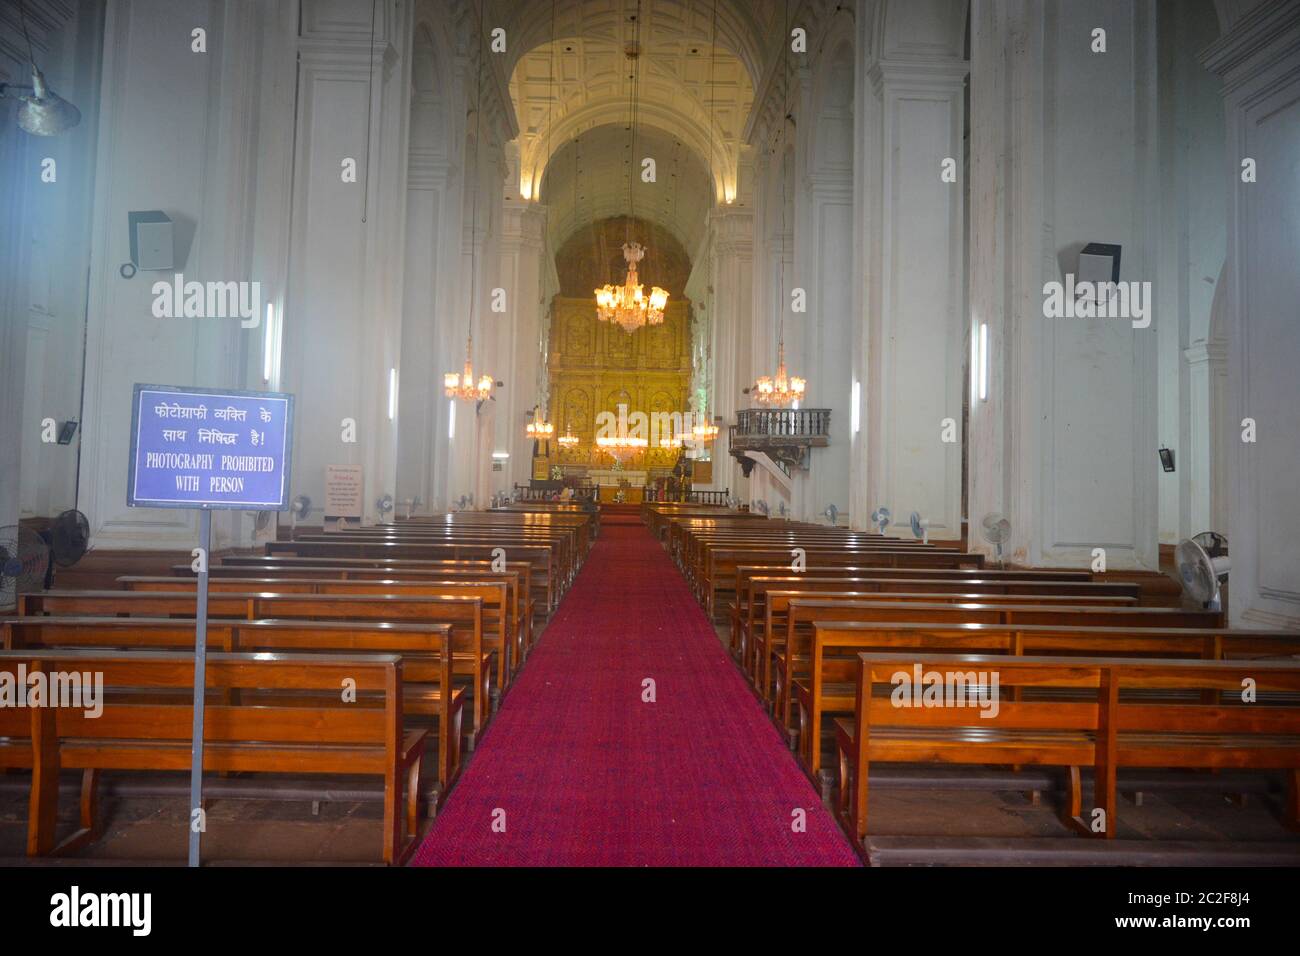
[(209, 448)]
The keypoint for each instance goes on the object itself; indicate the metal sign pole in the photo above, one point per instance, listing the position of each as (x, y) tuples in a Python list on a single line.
[(200, 686)]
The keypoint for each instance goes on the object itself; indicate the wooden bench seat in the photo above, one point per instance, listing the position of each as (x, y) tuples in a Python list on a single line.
[(720, 565), (562, 549), (1118, 723), (752, 583), (787, 650), (474, 650), (825, 692), (518, 613), (540, 586), (430, 693), (137, 731)]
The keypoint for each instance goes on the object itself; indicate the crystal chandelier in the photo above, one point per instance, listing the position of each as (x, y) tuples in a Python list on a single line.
[(539, 429), (706, 431), (462, 385), (627, 306), (619, 445), (568, 439), (778, 391)]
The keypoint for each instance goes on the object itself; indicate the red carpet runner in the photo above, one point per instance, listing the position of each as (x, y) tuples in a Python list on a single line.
[(582, 772)]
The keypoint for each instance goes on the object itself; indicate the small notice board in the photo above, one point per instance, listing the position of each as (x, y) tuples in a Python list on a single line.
[(201, 448)]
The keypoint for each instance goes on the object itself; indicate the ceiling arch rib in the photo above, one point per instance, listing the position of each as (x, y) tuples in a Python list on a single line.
[(591, 87), (742, 25)]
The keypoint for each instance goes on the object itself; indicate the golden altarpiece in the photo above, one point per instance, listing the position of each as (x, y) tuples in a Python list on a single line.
[(595, 366)]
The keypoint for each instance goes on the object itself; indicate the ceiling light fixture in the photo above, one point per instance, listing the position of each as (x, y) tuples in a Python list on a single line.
[(43, 112)]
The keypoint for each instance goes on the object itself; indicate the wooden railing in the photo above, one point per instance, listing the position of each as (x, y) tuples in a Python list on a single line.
[(700, 497), (528, 493), (795, 423)]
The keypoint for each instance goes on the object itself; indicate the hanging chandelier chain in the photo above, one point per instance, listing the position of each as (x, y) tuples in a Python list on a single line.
[(478, 125), (785, 125), (464, 386), (782, 389), (633, 91), (627, 305)]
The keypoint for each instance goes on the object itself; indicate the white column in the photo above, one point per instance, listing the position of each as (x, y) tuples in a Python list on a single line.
[(916, 337), (828, 336), (732, 325), (522, 248), (425, 357), (342, 330), (1065, 443)]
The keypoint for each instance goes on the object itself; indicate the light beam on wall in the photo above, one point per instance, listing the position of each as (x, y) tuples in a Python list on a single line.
[(855, 400), (392, 394), (268, 345), (451, 419), (984, 362)]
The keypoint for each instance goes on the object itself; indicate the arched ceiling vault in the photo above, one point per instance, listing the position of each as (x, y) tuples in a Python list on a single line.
[(590, 82), (743, 26), (587, 181)]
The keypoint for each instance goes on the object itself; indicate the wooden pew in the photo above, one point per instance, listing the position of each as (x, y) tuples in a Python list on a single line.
[(429, 689), (518, 608), (540, 581), (827, 691), (749, 612), (788, 645), (564, 546), (483, 549), (720, 565), (146, 724), (517, 573), (1133, 713), (753, 582), (575, 526), (462, 607)]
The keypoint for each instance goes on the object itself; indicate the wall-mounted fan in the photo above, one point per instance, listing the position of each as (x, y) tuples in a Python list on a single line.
[(881, 518), (733, 503), (780, 509), (24, 560), (761, 506), (832, 513), (67, 538), (384, 505), (299, 508), (1215, 544), (996, 529), (411, 505), (261, 520), (1202, 573), (463, 502), (921, 527)]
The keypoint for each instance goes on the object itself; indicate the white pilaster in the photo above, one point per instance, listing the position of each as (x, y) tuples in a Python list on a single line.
[(1261, 76)]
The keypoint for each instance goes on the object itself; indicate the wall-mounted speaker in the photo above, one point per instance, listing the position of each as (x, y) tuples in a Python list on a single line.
[(1098, 262), (152, 245)]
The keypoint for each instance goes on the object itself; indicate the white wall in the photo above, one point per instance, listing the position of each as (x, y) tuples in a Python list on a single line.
[(178, 132), (44, 251), (1256, 60), (1062, 154), (1193, 244)]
